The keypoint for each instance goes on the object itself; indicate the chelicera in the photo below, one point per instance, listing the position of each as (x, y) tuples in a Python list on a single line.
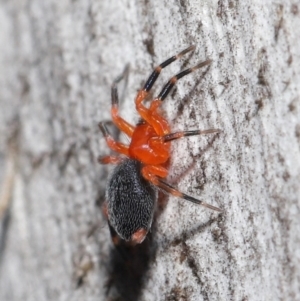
[(142, 165)]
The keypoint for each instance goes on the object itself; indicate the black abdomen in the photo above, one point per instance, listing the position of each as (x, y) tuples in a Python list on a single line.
[(130, 199)]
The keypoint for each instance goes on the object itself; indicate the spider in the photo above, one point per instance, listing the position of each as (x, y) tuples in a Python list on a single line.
[(140, 171)]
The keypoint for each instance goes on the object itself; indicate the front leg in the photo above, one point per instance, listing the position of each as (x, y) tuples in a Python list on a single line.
[(151, 116)]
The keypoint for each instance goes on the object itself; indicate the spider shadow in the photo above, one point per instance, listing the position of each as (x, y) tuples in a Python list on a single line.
[(4, 227), (128, 267), (187, 98)]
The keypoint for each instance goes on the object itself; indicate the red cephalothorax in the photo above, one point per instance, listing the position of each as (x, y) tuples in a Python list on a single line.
[(131, 192), (147, 146)]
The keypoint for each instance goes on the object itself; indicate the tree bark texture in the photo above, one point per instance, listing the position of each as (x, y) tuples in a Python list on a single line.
[(58, 60)]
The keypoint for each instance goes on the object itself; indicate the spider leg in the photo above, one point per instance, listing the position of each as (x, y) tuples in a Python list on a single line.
[(146, 113), (114, 145), (159, 124), (154, 75), (173, 191), (154, 178), (110, 160), (149, 171), (121, 124), (124, 76), (170, 84), (177, 135), (150, 115)]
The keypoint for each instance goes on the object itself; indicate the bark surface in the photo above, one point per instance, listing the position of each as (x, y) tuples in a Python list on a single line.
[(58, 60)]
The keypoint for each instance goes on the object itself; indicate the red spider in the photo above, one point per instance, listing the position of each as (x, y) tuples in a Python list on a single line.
[(132, 189)]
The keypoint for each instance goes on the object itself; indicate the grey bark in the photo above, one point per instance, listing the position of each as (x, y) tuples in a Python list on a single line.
[(57, 61)]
